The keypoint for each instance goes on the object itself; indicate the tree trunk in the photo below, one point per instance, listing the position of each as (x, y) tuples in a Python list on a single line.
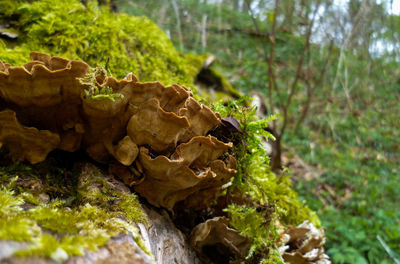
[(276, 155)]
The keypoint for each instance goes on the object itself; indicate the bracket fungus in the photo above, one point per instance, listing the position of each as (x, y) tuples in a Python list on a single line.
[(216, 233), (304, 244), (25, 142), (192, 169), (49, 104)]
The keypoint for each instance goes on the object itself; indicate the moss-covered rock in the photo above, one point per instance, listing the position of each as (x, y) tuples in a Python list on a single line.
[(95, 35), (60, 218)]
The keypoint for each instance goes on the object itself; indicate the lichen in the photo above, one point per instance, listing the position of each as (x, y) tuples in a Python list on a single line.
[(63, 227), (95, 35)]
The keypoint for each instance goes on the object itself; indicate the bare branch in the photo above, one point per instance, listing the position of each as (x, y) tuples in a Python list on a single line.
[(178, 23), (310, 89), (298, 70), (272, 86), (271, 75)]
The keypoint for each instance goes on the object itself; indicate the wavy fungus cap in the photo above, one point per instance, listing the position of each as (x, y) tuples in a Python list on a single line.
[(54, 103)]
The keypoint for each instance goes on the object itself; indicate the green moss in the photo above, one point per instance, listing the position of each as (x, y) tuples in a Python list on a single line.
[(255, 225), (94, 34), (260, 186), (195, 62), (225, 85), (13, 225), (94, 92), (64, 227), (95, 189), (78, 229)]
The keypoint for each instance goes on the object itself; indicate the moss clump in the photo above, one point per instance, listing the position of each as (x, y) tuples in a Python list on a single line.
[(94, 34), (94, 92), (59, 228), (97, 190), (266, 197), (12, 224)]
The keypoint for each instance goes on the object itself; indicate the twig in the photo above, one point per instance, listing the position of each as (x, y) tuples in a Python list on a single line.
[(178, 23), (387, 249), (298, 71), (271, 75), (203, 33), (310, 89)]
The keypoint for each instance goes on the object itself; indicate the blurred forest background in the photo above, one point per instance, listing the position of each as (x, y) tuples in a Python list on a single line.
[(331, 70)]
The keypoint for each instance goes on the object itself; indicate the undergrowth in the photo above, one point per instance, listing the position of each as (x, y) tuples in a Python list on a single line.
[(356, 190)]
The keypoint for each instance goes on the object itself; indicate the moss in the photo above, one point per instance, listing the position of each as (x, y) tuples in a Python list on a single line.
[(94, 34), (94, 92), (226, 86), (267, 197), (13, 225), (84, 220), (78, 229), (95, 189), (218, 88), (195, 61)]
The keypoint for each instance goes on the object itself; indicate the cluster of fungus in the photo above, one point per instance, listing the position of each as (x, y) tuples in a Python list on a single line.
[(304, 244), (216, 232), (159, 131)]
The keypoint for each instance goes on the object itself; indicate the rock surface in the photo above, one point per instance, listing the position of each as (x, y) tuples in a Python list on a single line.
[(166, 243)]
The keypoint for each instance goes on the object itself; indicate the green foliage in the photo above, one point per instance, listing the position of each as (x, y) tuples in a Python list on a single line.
[(93, 34), (94, 93), (60, 228), (358, 158)]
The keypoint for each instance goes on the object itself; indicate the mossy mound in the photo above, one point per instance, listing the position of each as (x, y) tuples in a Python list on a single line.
[(95, 35), (61, 212)]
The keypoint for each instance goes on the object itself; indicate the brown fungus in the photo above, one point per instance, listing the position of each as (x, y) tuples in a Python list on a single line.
[(304, 244), (49, 104), (25, 142), (154, 127), (192, 170), (216, 233)]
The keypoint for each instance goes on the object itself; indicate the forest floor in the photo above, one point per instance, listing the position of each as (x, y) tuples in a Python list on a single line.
[(349, 176)]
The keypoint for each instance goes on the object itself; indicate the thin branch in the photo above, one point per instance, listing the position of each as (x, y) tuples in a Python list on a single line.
[(272, 86), (178, 23), (298, 71), (310, 89), (271, 75), (388, 249)]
